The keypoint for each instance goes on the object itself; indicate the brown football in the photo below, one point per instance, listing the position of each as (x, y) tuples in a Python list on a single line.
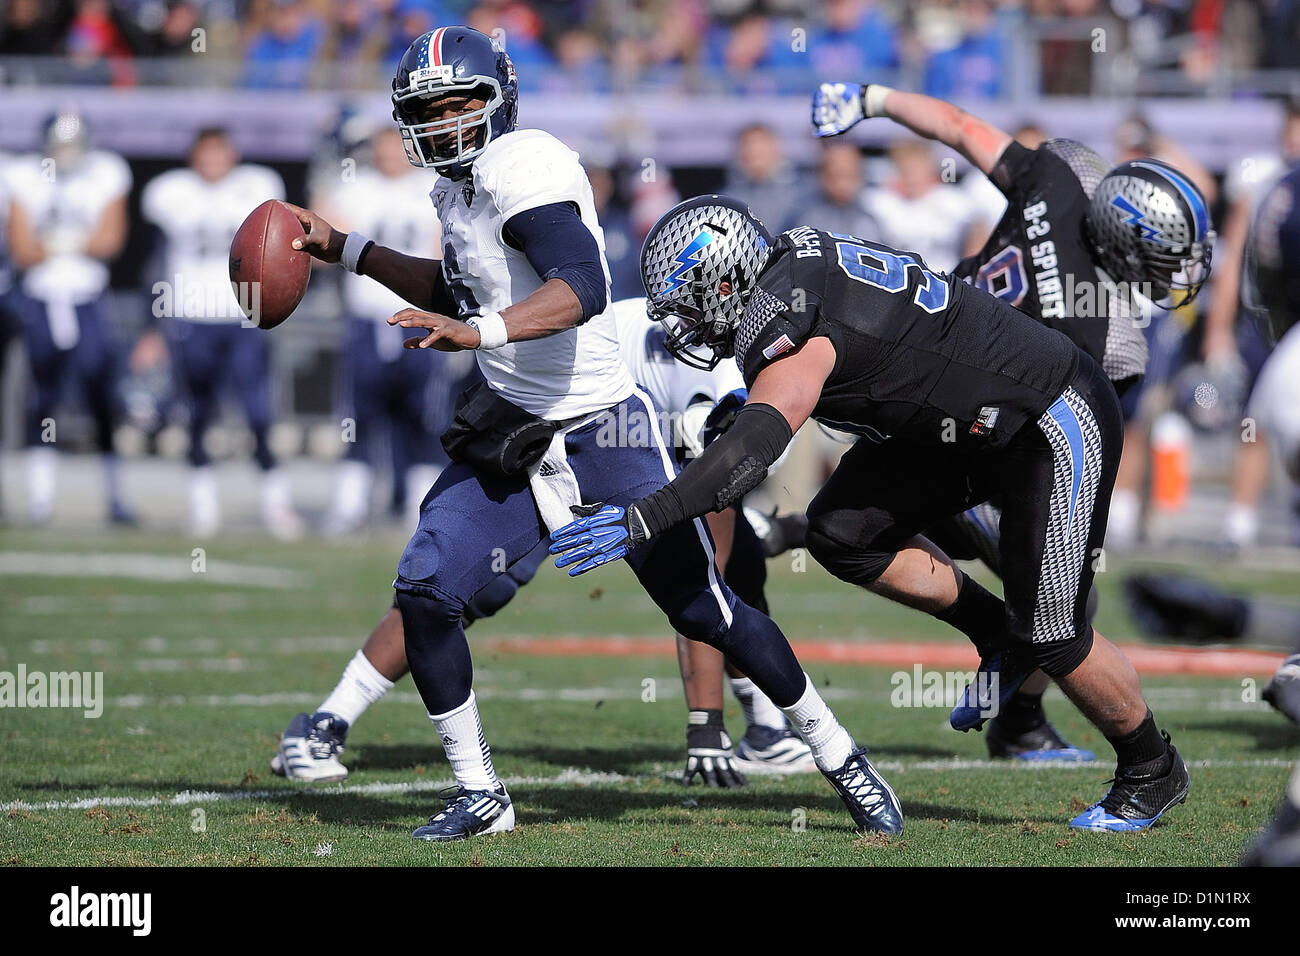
[(267, 274)]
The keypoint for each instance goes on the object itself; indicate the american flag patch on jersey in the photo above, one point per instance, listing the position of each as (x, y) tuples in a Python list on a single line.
[(782, 344)]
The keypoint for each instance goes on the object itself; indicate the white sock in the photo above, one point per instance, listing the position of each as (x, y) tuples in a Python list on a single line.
[(1124, 521), (757, 707), (1241, 526), (352, 492), (275, 491), (817, 726), (359, 687), (461, 733), (205, 509), (42, 468)]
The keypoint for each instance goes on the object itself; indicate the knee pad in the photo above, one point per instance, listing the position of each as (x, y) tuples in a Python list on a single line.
[(856, 565), (1060, 658)]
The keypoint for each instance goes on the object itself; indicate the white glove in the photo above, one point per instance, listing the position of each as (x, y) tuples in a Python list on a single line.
[(838, 107)]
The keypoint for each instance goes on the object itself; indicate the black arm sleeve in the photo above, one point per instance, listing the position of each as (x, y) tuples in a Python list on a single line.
[(734, 464), (559, 245)]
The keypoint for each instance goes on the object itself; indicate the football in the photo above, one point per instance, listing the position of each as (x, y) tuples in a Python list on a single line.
[(269, 276)]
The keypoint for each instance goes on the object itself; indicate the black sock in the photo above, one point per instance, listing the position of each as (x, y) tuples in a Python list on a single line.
[(979, 615), (1141, 745), (1023, 712)]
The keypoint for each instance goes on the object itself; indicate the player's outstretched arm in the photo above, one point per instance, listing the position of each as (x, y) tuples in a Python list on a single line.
[(837, 107), (784, 395), (415, 279)]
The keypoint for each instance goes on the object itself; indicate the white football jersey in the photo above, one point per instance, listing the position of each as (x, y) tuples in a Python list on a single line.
[(64, 206), (674, 386), (394, 212), (199, 220), (932, 225), (566, 375)]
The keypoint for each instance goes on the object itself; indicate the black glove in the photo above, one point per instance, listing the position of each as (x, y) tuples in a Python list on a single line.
[(708, 752)]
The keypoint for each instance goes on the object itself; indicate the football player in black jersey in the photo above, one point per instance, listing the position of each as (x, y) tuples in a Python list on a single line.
[(963, 398), (1081, 249)]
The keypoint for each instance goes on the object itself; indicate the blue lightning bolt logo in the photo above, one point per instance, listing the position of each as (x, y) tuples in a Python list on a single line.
[(687, 259), (1135, 217)]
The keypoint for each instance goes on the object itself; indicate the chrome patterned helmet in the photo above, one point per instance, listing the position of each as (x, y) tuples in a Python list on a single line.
[(1148, 223), (693, 248)]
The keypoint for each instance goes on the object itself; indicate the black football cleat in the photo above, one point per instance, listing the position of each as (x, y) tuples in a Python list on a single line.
[(1040, 743), (1139, 794), (871, 801)]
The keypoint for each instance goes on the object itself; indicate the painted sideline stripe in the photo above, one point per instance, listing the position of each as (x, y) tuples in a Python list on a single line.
[(570, 776), (1219, 662)]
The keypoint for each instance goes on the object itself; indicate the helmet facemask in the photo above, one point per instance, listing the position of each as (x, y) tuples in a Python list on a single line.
[(448, 145)]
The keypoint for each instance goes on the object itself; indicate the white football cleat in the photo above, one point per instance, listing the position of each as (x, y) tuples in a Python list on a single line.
[(773, 751), (310, 747)]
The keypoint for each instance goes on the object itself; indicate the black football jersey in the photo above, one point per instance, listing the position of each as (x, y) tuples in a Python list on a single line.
[(1037, 258), (919, 354)]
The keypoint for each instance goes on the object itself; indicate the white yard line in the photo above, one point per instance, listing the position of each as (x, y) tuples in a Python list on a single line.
[(145, 567), (571, 776)]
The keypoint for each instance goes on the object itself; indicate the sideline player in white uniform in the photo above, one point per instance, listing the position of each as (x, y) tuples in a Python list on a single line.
[(523, 268), (199, 208), (310, 747), (388, 388), (67, 221), (917, 211)]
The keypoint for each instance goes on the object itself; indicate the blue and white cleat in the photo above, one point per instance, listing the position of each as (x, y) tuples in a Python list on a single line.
[(1042, 743), (773, 752), (871, 801), (310, 747), (1139, 795), (469, 813), (1000, 675)]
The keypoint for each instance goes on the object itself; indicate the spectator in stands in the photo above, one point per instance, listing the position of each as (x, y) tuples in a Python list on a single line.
[(32, 28), (519, 29), (580, 64), (837, 203), (974, 66), (761, 176), (96, 43), (282, 55), (857, 38), (175, 35)]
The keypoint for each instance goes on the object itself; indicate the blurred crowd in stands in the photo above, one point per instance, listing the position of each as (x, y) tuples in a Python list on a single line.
[(949, 48)]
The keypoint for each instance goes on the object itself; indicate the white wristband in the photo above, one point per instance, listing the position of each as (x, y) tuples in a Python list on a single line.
[(353, 246), (491, 330), (873, 99)]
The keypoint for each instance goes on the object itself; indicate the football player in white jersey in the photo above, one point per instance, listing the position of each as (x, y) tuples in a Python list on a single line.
[(67, 221), (523, 282), (198, 209), (389, 389), (686, 396)]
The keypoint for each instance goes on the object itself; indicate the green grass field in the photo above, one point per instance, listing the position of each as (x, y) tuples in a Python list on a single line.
[(202, 671)]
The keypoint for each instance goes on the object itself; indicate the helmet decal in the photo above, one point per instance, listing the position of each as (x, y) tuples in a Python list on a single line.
[(688, 258), (1135, 217)]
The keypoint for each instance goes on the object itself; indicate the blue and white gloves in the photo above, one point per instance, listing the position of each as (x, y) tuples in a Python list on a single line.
[(601, 533), (838, 107)]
